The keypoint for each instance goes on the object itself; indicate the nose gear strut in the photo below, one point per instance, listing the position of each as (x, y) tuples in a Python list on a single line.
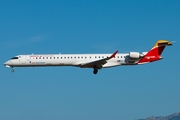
[(12, 69)]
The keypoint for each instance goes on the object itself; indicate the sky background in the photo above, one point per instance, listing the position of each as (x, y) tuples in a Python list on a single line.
[(94, 26)]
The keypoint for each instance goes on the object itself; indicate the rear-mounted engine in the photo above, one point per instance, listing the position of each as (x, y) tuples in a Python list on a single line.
[(135, 55)]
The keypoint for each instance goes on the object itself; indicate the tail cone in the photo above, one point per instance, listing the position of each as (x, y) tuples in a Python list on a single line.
[(160, 57)]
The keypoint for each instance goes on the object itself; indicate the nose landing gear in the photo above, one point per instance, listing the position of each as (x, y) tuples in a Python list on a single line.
[(12, 70)]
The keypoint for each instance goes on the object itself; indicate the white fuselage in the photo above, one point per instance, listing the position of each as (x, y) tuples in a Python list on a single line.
[(77, 60)]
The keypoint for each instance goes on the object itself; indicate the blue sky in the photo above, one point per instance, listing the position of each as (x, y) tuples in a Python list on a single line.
[(74, 27)]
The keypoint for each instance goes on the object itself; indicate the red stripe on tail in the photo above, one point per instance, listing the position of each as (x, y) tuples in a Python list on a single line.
[(153, 54)]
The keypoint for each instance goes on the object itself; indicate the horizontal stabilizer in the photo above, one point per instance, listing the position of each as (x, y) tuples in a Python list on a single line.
[(162, 42)]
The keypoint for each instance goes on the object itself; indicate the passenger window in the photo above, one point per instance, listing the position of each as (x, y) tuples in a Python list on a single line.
[(57, 57), (81, 57), (64, 57), (36, 57), (71, 57), (75, 57), (78, 57), (46, 57), (50, 57), (90, 57), (85, 57), (61, 57)]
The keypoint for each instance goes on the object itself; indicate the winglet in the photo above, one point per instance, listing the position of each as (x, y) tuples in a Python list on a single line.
[(114, 54)]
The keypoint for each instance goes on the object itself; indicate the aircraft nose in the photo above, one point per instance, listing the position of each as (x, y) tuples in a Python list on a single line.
[(7, 63)]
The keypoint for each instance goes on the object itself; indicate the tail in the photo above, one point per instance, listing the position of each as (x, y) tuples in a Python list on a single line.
[(155, 53)]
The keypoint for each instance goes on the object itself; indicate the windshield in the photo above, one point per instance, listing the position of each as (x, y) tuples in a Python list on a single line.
[(14, 58)]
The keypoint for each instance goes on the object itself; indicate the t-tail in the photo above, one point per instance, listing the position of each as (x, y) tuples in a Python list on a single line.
[(155, 53)]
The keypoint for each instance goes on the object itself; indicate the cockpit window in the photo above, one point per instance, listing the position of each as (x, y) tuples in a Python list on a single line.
[(14, 58)]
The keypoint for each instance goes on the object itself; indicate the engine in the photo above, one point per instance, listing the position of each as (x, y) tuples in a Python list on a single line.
[(135, 55)]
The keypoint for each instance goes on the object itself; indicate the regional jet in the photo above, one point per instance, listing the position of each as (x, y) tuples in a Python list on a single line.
[(95, 61)]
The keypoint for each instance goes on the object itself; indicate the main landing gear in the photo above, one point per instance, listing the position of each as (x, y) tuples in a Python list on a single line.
[(95, 71)]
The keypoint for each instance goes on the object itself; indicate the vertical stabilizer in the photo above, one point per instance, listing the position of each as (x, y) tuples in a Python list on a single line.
[(155, 53)]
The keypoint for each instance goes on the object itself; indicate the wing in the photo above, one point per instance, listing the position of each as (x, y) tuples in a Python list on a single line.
[(98, 64)]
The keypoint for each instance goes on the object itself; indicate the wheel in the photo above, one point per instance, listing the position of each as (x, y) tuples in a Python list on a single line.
[(95, 71), (12, 70)]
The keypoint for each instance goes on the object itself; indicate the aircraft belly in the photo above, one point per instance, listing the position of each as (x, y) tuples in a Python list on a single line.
[(111, 64)]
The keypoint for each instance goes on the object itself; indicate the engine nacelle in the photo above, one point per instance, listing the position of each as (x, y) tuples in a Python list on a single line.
[(135, 55)]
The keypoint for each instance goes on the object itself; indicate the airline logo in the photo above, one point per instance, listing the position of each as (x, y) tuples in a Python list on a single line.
[(120, 60), (41, 56)]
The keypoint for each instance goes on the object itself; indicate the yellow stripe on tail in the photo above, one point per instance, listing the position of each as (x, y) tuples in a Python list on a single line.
[(162, 42)]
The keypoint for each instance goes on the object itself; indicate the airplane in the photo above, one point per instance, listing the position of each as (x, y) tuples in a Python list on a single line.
[(95, 61)]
